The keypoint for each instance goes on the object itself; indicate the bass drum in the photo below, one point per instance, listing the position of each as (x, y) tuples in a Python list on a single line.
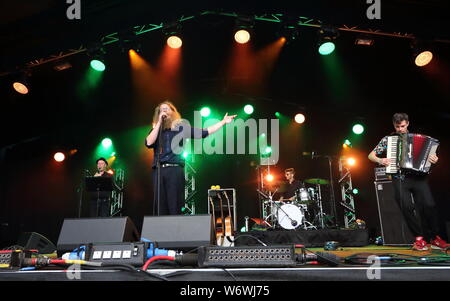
[(290, 216)]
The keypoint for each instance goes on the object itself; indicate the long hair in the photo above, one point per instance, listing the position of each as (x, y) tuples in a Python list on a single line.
[(169, 122)]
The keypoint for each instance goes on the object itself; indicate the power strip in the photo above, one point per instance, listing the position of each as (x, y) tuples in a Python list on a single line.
[(133, 253), (247, 256)]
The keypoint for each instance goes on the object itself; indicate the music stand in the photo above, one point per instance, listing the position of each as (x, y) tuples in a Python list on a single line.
[(97, 184)]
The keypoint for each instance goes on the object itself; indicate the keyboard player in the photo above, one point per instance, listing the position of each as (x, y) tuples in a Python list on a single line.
[(412, 192)]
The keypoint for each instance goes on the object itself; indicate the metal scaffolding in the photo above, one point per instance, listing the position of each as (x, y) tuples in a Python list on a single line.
[(189, 189), (348, 202), (117, 194)]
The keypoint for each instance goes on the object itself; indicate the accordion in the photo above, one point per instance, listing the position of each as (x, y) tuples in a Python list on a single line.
[(410, 152)]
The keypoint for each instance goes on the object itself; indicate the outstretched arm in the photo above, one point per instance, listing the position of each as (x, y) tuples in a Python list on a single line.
[(215, 127)]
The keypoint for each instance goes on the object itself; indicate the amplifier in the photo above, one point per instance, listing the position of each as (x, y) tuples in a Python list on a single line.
[(380, 174), (247, 256)]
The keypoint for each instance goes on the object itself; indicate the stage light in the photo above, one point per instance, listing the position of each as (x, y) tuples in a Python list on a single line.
[(128, 41), (358, 129), (326, 48), (185, 154), (277, 114), (96, 52), (347, 144), (327, 35), (106, 143), (205, 111), (59, 157), (248, 109), (20, 87), (355, 191), (269, 177), (174, 42), (289, 30), (351, 161), (364, 41), (268, 150), (242, 36), (20, 83), (98, 65), (299, 118), (421, 51), (423, 58)]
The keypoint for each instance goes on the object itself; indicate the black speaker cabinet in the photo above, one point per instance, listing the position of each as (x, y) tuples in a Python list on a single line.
[(180, 232), (79, 231), (394, 230), (35, 241)]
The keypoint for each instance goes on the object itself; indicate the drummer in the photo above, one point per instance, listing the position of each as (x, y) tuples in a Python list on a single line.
[(292, 186)]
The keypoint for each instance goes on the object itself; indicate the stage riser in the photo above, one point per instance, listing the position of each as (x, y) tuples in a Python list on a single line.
[(308, 238)]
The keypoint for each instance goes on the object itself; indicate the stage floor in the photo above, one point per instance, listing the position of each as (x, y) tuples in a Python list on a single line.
[(386, 271)]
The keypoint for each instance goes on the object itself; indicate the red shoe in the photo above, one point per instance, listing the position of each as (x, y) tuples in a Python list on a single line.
[(420, 244), (439, 244)]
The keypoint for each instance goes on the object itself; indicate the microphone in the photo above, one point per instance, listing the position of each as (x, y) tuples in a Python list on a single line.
[(163, 117), (321, 257)]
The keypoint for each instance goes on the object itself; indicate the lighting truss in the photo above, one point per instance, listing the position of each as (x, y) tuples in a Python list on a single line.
[(275, 17), (348, 202), (117, 196)]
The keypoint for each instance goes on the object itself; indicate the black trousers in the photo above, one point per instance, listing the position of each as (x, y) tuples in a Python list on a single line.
[(172, 190), (99, 207), (414, 198)]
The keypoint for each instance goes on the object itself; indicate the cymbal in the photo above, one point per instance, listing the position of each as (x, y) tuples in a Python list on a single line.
[(317, 181)]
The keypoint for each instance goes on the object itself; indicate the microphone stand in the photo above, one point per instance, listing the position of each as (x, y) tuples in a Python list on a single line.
[(332, 189), (333, 201), (158, 170)]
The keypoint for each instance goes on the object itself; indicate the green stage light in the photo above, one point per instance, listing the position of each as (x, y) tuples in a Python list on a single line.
[(268, 150), (277, 114), (358, 129), (185, 154), (248, 109), (347, 142), (355, 191), (205, 111), (326, 48), (98, 65), (106, 143)]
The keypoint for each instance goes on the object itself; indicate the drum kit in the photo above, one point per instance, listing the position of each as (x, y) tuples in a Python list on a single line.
[(305, 211)]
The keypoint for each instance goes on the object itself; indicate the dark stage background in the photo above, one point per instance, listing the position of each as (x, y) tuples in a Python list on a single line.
[(354, 84)]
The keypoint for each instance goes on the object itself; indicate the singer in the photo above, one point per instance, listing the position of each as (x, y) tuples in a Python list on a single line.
[(168, 180)]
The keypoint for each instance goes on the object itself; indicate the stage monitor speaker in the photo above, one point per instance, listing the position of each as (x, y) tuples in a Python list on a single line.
[(394, 229), (182, 232), (36, 241), (79, 231)]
